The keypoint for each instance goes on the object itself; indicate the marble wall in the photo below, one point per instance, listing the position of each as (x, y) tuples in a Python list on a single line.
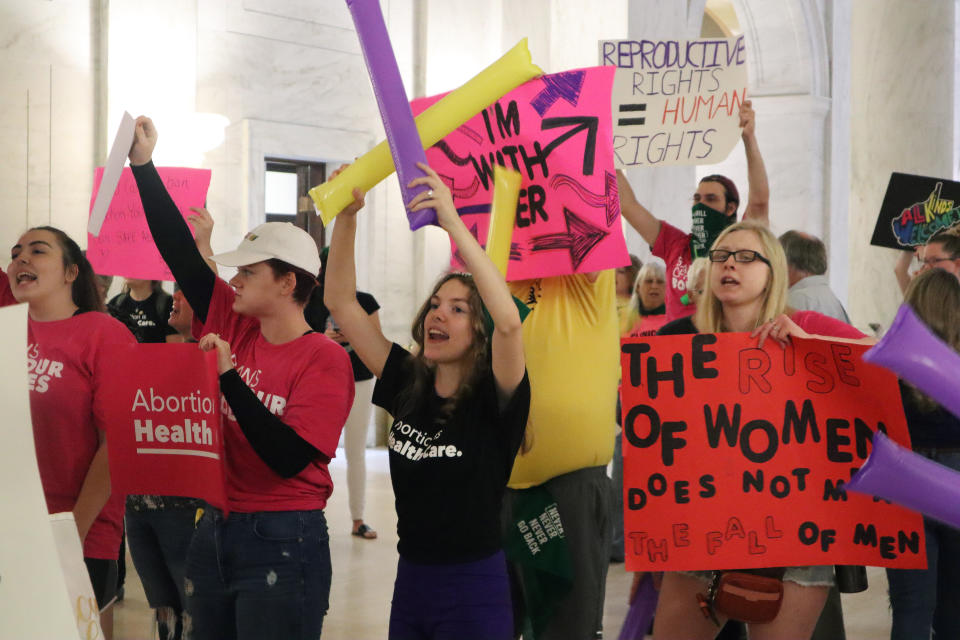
[(845, 93), (48, 117), (903, 109)]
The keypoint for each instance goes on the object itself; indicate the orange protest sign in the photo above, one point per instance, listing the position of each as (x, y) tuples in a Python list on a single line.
[(734, 456)]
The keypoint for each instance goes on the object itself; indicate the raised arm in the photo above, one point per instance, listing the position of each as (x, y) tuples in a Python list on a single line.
[(340, 291), (758, 199), (168, 228), (507, 340), (902, 270), (635, 213), (202, 223)]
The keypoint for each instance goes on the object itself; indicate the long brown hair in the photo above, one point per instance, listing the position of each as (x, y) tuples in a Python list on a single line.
[(934, 295), (84, 291), (422, 371)]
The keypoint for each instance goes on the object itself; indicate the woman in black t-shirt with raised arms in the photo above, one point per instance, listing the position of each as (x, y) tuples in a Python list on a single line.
[(460, 406)]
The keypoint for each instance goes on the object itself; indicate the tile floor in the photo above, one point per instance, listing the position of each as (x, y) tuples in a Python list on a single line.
[(364, 571)]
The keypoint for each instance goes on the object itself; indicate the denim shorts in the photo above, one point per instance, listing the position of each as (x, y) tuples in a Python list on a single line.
[(815, 576)]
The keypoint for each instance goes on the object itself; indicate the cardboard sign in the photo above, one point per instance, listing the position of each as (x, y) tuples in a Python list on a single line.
[(735, 457), (554, 130), (82, 598), (125, 246), (111, 173), (675, 102), (163, 420), (915, 208), (34, 600)]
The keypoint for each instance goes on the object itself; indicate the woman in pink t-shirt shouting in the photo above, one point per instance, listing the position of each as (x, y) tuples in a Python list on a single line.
[(66, 336), (263, 572)]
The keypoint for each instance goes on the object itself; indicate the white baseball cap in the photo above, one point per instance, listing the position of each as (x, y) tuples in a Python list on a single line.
[(280, 240)]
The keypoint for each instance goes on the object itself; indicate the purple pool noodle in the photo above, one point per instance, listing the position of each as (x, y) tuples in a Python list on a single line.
[(640, 613), (911, 351), (910, 480), (402, 135)]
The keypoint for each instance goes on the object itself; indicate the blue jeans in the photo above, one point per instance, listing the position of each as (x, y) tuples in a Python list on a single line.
[(262, 576), (929, 599), (159, 539)]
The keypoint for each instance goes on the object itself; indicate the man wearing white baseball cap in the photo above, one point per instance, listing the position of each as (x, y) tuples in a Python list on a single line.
[(278, 241), (287, 392)]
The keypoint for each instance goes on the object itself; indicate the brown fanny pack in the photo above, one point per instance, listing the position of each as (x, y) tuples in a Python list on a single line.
[(751, 595)]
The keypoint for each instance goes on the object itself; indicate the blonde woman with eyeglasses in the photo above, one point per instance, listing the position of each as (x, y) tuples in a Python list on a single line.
[(746, 291)]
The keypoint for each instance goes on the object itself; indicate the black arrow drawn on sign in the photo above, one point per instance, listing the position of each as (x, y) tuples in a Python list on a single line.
[(590, 124), (580, 239)]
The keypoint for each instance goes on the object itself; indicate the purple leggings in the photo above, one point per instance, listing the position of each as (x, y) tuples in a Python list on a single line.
[(465, 601)]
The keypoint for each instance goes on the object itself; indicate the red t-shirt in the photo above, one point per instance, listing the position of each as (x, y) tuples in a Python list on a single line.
[(307, 383), (6, 296), (818, 324), (673, 247), (65, 362)]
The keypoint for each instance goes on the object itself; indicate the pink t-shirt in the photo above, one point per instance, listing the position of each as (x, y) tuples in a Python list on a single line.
[(818, 324), (307, 383), (648, 325), (65, 361), (673, 247)]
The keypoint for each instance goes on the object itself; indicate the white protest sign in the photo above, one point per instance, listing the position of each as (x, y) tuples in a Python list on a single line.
[(34, 601), (111, 172), (79, 589), (675, 102)]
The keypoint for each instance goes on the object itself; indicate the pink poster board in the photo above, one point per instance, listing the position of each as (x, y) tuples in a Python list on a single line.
[(125, 246), (556, 131)]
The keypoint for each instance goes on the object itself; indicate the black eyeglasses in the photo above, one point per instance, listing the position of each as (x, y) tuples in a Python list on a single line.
[(741, 255), (932, 262)]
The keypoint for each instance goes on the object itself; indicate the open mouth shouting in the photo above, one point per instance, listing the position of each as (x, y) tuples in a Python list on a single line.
[(24, 278), (436, 335)]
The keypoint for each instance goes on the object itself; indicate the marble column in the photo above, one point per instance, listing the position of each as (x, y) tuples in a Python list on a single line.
[(903, 110)]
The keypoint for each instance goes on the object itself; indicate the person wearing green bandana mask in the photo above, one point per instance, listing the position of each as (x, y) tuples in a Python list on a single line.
[(715, 205)]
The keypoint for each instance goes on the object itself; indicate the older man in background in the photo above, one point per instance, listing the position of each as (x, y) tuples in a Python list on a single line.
[(806, 266)]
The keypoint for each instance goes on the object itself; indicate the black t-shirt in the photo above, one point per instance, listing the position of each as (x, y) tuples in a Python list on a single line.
[(449, 479), (678, 327), (146, 319), (317, 316), (937, 428)]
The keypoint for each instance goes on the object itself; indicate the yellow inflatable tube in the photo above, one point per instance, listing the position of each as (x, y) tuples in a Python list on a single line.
[(502, 216), (457, 107)]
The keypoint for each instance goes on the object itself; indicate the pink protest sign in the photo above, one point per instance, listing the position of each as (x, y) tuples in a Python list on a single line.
[(125, 246), (556, 131)]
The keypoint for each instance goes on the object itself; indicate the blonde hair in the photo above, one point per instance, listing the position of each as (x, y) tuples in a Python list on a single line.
[(709, 315), (698, 266), (653, 268)]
